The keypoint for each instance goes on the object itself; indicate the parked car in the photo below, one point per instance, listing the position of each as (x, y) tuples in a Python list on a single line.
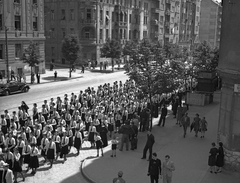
[(13, 87)]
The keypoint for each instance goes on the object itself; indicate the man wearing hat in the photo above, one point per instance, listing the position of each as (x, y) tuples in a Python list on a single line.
[(119, 179)]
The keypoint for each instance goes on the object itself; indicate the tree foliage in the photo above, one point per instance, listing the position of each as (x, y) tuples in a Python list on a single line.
[(71, 48), (31, 55), (205, 58), (111, 49)]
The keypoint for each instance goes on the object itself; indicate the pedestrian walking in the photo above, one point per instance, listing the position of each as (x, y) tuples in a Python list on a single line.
[(119, 179), (185, 121), (149, 145), (12, 75), (203, 127), (196, 124), (212, 158), (154, 168), (168, 168), (83, 68), (220, 158), (163, 116), (55, 75)]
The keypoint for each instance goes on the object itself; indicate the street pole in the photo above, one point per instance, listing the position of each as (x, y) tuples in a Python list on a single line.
[(97, 41), (7, 64)]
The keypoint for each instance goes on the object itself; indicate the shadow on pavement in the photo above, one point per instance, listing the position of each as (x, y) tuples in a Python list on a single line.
[(51, 78)]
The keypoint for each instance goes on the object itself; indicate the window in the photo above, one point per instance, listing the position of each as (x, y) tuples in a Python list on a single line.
[(72, 31), (52, 15), (87, 33), (161, 30), (145, 6), (101, 34), (101, 15), (89, 14), (130, 34), (34, 2), (17, 23), (52, 32), (63, 32), (107, 33), (71, 14), (125, 34), (17, 1), (1, 22), (63, 15), (53, 51), (1, 51), (145, 20), (112, 16), (130, 18), (18, 50), (35, 23), (121, 33)]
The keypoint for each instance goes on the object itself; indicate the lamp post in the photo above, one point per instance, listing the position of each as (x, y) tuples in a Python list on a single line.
[(6, 43)]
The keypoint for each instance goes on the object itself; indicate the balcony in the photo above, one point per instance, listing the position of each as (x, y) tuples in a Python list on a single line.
[(121, 24), (167, 12), (89, 22), (35, 34), (88, 41), (18, 33)]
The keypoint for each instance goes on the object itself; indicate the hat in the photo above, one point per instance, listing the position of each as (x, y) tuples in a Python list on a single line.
[(154, 154)]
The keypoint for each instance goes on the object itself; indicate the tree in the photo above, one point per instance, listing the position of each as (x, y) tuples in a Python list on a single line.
[(150, 69), (31, 55), (205, 57), (71, 50), (111, 49)]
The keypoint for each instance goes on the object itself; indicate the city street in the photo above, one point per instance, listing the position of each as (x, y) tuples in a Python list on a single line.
[(39, 93)]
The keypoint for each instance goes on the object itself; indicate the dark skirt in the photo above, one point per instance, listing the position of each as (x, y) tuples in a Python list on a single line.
[(20, 150), (64, 150), (27, 159), (43, 152), (98, 144), (211, 160), (67, 123), (220, 161), (16, 166), (58, 149), (91, 137), (114, 146), (4, 129), (8, 122), (34, 163), (118, 123), (9, 162), (77, 143), (39, 141), (70, 141), (110, 127), (50, 154), (73, 131), (83, 117)]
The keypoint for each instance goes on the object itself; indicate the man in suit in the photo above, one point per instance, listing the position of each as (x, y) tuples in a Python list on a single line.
[(149, 145), (185, 121), (163, 116), (154, 168), (168, 167)]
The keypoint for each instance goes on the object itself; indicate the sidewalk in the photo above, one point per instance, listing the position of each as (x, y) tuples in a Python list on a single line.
[(189, 154)]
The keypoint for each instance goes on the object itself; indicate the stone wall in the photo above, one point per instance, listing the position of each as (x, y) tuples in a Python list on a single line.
[(232, 160)]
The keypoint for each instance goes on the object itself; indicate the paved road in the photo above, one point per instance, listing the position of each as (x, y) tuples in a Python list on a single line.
[(38, 93)]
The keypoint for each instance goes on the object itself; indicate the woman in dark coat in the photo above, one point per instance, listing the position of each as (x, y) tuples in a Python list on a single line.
[(196, 124), (220, 157), (212, 158), (103, 134)]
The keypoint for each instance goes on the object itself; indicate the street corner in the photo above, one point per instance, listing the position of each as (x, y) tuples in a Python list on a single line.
[(85, 171)]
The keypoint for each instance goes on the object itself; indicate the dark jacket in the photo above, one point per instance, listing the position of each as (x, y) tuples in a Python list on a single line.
[(150, 140), (126, 129), (154, 167), (135, 129)]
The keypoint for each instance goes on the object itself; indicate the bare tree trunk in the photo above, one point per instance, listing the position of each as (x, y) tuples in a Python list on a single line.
[(70, 72)]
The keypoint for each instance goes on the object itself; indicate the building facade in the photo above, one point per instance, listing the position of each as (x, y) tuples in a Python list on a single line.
[(229, 70), (23, 21), (95, 21), (189, 22), (210, 22)]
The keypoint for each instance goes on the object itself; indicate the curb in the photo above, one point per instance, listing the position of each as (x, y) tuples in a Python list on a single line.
[(84, 173), (52, 81)]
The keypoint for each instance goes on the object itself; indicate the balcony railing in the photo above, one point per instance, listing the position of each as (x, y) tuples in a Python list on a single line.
[(88, 21)]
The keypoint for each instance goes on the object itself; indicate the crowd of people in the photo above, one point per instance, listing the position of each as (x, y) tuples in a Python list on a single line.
[(54, 128)]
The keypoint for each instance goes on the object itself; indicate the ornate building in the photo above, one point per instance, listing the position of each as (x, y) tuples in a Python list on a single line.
[(23, 21), (95, 21), (210, 22)]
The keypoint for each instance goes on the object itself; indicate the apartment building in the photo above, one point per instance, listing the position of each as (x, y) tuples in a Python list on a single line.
[(210, 22), (23, 21), (189, 22)]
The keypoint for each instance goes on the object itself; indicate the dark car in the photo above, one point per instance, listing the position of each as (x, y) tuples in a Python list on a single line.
[(13, 87)]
